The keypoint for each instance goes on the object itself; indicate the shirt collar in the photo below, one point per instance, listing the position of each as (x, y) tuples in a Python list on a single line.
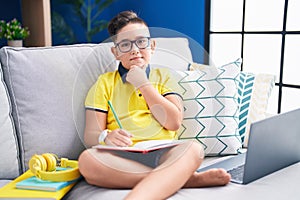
[(123, 71)]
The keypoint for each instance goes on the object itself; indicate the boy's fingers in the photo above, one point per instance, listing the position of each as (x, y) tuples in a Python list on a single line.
[(123, 141), (125, 133)]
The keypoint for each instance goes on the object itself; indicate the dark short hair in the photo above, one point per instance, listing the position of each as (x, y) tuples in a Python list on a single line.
[(121, 20)]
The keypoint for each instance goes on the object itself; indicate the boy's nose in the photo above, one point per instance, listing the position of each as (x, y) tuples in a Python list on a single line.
[(134, 49)]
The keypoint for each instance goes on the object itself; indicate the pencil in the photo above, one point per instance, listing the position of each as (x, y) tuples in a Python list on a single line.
[(115, 114)]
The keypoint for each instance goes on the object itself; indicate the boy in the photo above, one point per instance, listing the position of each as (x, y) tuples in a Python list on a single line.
[(149, 109)]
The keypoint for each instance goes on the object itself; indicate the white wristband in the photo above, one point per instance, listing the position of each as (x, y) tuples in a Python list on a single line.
[(102, 136)]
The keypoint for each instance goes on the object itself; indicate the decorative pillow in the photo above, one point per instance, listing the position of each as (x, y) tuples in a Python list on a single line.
[(253, 95), (211, 107), (245, 86)]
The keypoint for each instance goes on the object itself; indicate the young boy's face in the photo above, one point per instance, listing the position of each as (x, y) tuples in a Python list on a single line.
[(134, 35)]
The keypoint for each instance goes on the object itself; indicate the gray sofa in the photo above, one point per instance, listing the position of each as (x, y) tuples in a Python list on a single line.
[(42, 92)]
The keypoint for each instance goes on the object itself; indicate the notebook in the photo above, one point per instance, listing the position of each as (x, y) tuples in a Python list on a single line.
[(34, 183), (273, 145), (142, 147)]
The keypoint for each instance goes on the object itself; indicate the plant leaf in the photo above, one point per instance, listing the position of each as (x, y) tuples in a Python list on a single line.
[(64, 31)]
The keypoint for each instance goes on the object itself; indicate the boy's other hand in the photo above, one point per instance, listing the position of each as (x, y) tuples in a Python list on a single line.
[(119, 137)]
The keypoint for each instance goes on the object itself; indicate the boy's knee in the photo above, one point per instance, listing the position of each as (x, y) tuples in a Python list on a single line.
[(199, 148), (83, 162), (88, 168), (86, 162), (196, 148)]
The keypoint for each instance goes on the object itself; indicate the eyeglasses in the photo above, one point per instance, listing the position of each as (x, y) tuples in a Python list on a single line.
[(126, 45)]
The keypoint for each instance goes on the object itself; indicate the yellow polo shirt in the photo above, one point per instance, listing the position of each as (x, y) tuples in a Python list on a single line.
[(129, 104)]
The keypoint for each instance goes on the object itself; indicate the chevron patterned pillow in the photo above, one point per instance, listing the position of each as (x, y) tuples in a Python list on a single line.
[(245, 86), (254, 91), (211, 109)]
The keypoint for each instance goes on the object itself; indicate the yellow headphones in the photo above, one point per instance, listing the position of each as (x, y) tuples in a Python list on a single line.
[(44, 167)]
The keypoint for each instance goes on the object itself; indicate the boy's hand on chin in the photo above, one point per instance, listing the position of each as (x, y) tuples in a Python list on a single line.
[(137, 76)]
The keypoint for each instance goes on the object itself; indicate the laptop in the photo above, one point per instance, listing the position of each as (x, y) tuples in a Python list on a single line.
[(273, 144)]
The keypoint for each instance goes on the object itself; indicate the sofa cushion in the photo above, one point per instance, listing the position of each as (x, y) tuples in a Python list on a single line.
[(211, 108), (277, 186), (9, 165), (48, 112)]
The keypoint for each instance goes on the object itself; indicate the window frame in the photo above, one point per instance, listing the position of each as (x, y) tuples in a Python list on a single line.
[(280, 84)]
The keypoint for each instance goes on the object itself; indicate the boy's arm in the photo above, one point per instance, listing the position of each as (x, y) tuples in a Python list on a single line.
[(168, 110), (95, 123)]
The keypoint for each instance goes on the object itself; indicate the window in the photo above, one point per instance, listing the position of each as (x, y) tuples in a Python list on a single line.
[(266, 35)]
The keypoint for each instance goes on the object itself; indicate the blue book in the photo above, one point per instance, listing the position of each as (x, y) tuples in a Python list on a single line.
[(34, 183)]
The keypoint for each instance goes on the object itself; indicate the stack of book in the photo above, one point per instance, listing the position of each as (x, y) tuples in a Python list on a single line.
[(29, 186)]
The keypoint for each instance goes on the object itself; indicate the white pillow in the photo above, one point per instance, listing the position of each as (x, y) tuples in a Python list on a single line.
[(211, 108)]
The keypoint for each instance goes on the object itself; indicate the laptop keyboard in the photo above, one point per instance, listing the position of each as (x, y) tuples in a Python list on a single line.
[(237, 173)]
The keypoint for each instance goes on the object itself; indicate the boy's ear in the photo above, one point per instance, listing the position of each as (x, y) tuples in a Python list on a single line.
[(115, 52), (153, 46)]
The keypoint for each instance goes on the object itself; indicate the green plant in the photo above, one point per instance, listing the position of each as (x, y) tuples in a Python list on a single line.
[(13, 30), (2, 28), (86, 13)]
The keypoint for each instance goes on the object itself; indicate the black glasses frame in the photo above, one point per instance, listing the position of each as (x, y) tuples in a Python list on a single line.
[(131, 44)]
